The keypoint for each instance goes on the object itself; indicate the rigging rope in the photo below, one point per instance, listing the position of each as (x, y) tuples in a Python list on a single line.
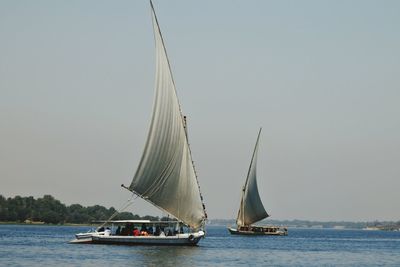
[(123, 207)]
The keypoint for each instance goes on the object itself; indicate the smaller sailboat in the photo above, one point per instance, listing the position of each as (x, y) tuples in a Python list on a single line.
[(251, 209)]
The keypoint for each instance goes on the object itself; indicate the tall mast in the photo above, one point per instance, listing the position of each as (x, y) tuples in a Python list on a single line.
[(166, 176), (241, 210), (184, 122)]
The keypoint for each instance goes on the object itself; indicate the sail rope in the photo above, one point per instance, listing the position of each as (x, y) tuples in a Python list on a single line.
[(194, 168), (121, 209)]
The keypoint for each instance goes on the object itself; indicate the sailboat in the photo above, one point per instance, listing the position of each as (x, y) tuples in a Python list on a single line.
[(166, 175), (251, 208)]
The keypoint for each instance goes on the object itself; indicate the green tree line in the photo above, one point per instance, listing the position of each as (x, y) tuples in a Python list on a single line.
[(47, 209)]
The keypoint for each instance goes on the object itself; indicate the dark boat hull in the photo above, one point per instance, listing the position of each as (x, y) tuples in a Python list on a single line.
[(157, 241), (261, 231)]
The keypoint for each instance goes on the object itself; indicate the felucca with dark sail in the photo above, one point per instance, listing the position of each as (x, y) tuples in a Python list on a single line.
[(165, 177), (251, 209)]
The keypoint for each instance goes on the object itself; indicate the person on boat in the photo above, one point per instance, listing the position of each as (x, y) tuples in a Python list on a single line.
[(162, 234), (144, 233), (150, 230), (107, 232), (127, 229), (143, 228), (169, 233), (158, 231), (118, 231), (101, 229), (124, 231), (136, 232)]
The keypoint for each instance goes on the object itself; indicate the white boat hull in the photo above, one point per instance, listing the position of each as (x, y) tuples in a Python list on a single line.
[(189, 239), (88, 235)]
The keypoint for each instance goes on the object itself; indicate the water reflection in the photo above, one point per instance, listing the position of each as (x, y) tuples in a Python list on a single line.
[(47, 246), (164, 255)]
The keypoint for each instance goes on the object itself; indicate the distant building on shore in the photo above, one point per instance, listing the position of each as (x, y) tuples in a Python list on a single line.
[(28, 221)]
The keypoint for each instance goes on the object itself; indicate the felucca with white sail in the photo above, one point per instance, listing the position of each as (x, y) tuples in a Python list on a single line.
[(251, 209), (166, 175)]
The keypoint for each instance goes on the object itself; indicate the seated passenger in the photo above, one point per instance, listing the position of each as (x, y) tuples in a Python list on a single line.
[(150, 230), (169, 233), (123, 231), (135, 232), (143, 228), (129, 229), (158, 231), (144, 233), (107, 232), (118, 231)]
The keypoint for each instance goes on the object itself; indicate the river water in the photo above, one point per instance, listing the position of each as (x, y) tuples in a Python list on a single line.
[(22, 245)]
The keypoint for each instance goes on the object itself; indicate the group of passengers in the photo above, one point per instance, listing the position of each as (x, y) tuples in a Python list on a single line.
[(262, 229), (131, 230)]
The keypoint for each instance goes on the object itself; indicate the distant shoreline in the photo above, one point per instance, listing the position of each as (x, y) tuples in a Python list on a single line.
[(342, 226), (50, 211), (305, 224)]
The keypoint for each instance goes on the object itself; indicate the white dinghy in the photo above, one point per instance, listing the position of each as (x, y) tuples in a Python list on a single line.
[(166, 176)]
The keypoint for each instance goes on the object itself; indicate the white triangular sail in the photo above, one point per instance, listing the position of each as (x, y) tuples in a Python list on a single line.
[(166, 176), (251, 208)]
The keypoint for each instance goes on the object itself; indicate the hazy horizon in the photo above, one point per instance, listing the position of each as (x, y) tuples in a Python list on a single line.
[(321, 77)]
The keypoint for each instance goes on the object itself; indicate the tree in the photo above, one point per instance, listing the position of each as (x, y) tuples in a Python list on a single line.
[(50, 210), (3, 209)]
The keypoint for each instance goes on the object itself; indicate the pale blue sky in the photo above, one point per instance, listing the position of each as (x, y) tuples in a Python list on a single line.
[(321, 77)]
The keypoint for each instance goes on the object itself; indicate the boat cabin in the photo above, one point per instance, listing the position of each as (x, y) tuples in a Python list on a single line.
[(144, 228)]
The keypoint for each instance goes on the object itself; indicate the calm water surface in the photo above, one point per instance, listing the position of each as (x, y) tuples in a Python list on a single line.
[(22, 245)]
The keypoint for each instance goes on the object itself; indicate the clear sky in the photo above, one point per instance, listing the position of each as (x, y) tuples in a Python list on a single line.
[(321, 77)]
